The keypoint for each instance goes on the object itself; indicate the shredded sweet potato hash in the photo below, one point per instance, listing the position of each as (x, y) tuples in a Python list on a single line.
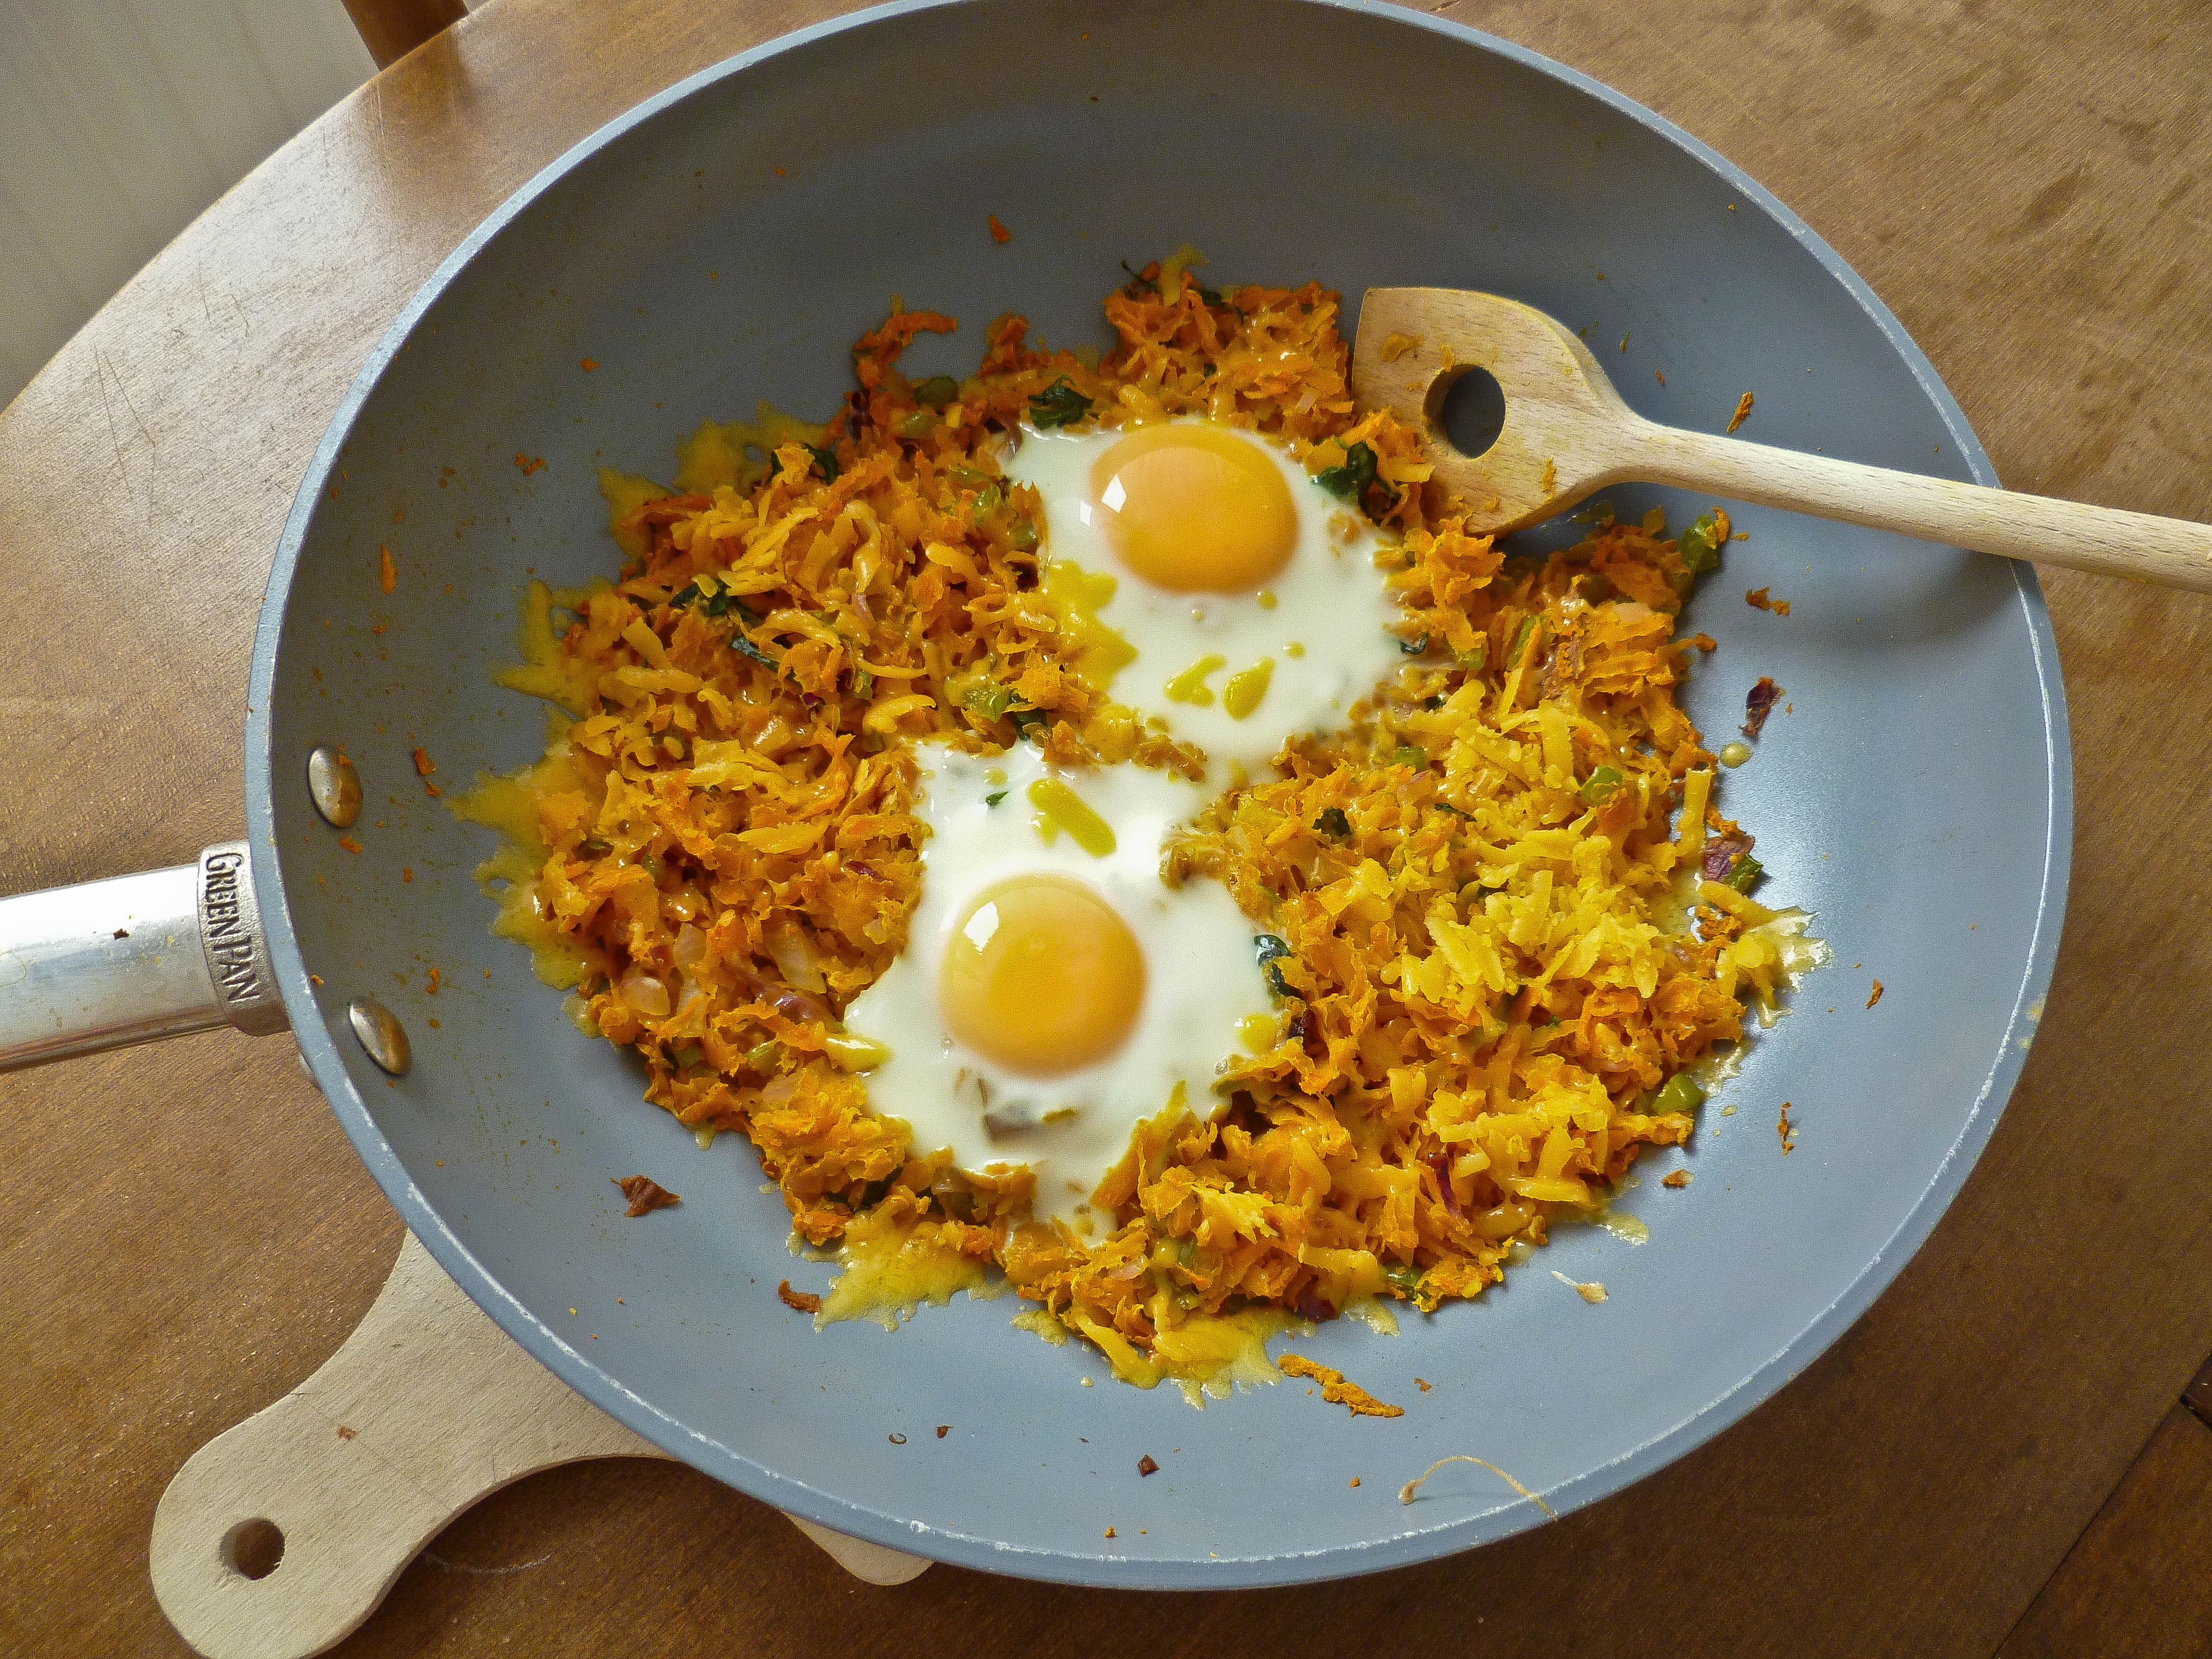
[(1494, 955)]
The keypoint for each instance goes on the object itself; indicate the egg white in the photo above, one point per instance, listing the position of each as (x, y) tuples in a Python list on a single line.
[(1201, 976), (1330, 602)]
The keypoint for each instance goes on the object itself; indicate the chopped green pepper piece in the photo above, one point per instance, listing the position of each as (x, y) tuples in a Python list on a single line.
[(991, 702), (1058, 404), (1598, 788), (1744, 871), (1698, 547), (1407, 755), (1403, 1277), (1475, 660), (1030, 722), (936, 391), (1520, 642), (916, 424), (825, 461), (1349, 482), (1332, 822), (994, 797), (1680, 1095)]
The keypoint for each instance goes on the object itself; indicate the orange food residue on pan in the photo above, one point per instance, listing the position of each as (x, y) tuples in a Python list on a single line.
[(1335, 1389), (645, 1195)]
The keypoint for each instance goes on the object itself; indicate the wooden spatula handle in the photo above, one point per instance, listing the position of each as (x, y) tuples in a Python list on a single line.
[(2174, 552), (426, 1408)]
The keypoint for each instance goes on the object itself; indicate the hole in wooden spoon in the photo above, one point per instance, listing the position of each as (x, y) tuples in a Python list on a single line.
[(1472, 412), (252, 1549)]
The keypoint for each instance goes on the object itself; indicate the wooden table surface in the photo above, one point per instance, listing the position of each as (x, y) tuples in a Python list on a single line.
[(1993, 1459)]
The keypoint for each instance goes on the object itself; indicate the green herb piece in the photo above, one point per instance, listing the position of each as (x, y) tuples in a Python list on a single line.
[(1058, 404), (744, 647), (825, 461), (1349, 482), (1744, 872), (689, 1054), (936, 391), (991, 702), (1414, 647), (1407, 755), (1403, 1277), (1520, 642), (1268, 950), (1211, 296), (1031, 723), (1698, 547), (1680, 1095), (1599, 788), (864, 684), (725, 603), (1332, 822), (1475, 660)]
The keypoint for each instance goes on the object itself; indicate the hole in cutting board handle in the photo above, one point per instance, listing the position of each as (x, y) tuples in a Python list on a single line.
[(1472, 411), (252, 1549)]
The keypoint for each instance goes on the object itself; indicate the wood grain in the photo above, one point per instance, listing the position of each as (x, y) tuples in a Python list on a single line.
[(2139, 1584), (392, 29), (185, 1236)]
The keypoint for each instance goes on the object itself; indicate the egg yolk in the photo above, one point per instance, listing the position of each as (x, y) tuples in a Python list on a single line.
[(1194, 508), (1040, 975)]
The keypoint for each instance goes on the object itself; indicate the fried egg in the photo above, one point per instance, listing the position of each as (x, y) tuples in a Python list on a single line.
[(1247, 597), (1054, 992)]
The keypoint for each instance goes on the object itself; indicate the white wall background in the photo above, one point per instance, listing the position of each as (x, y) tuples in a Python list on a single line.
[(121, 119)]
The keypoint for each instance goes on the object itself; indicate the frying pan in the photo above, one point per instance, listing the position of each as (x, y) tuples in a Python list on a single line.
[(724, 243)]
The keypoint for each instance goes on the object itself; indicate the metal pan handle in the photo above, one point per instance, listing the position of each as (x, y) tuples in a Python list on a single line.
[(133, 959)]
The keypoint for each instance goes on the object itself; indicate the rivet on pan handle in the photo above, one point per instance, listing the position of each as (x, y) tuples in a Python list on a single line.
[(133, 959), (280, 1536)]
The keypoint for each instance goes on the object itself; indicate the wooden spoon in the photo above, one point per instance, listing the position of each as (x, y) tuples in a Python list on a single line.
[(1567, 433)]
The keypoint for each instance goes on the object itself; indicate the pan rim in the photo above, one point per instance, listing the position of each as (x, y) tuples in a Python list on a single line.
[(785, 1492)]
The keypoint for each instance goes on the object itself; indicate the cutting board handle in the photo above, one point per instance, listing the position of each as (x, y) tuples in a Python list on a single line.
[(280, 1535)]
